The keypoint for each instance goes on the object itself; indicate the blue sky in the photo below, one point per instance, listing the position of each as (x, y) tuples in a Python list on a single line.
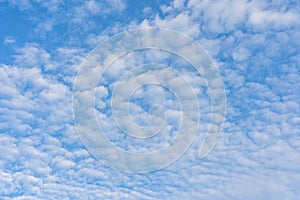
[(255, 46)]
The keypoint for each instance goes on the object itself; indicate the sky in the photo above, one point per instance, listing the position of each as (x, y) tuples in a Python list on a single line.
[(52, 81)]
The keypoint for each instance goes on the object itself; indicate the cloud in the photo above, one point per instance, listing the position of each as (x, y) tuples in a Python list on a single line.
[(9, 40), (83, 11), (267, 19), (23, 5), (31, 55), (256, 47)]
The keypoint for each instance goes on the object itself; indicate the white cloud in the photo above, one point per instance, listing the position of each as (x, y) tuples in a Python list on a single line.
[(32, 55), (83, 11), (270, 19), (117, 4), (241, 54), (9, 40), (43, 157), (52, 5), (62, 163), (44, 27), (93, 7)]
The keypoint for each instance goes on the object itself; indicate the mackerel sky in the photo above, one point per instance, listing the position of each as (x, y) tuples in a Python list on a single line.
[(255, 46)]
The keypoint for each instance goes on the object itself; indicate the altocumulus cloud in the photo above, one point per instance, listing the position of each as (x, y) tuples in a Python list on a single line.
[(256, 47)]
